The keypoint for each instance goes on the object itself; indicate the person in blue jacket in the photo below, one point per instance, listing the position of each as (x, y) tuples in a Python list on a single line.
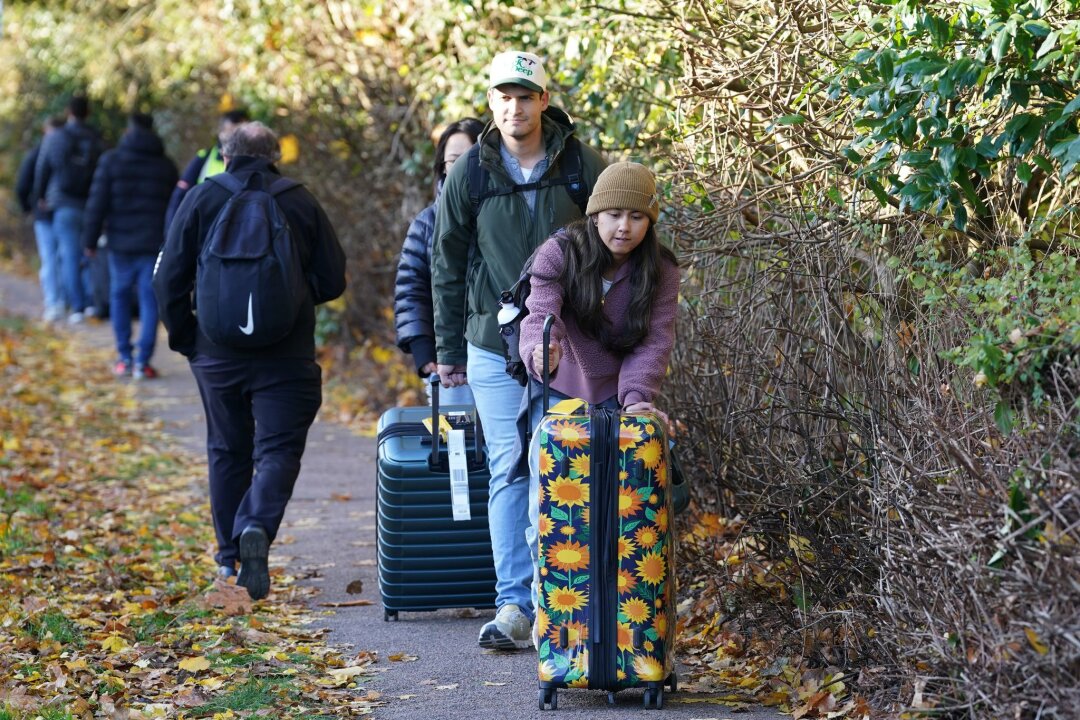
[(127, 202), (208, 161), (412, 287), (62, 178), (52, 289)]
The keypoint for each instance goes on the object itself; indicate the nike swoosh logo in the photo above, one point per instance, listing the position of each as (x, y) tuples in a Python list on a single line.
[(250, 327)]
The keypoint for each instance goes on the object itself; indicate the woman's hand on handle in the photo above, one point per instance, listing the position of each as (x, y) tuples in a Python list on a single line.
[(647, 407), (554, 355)]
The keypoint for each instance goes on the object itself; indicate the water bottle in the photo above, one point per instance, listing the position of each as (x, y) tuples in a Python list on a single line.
[(508, 311)]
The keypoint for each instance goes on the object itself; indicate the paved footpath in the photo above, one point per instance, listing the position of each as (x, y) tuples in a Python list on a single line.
[(329, 536)]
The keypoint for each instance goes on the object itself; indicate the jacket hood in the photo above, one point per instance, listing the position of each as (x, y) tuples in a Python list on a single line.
[(143, 142)]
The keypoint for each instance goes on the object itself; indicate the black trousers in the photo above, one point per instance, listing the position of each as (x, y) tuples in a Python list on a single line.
[(258, 413)]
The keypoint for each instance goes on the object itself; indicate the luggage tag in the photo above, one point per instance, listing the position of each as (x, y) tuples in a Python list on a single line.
[(459, 475), (444, 426), (569, 406)]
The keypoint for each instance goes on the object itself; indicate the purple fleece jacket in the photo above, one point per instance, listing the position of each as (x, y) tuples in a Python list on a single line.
[(587, 369)]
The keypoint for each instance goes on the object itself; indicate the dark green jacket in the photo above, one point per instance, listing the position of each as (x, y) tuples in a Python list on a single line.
[(474, 259)]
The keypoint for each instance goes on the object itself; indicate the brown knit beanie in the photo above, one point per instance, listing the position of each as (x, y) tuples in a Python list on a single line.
[(625, 186)]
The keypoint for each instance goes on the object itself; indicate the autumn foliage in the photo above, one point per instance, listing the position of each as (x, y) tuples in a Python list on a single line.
[(874, 205), (107, 597)]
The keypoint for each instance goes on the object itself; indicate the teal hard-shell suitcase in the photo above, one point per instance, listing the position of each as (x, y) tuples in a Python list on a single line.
[(427, 559)]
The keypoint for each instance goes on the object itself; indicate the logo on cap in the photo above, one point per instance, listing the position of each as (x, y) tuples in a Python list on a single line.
[(521, 64)]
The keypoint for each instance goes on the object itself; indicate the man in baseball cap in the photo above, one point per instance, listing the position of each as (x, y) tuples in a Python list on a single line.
[(518, 68), (522, 165)]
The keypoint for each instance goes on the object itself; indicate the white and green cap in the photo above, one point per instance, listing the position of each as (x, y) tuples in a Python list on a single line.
[(519, 68)]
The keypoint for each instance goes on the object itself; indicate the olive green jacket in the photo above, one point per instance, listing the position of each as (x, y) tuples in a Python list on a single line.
[(474, 259)]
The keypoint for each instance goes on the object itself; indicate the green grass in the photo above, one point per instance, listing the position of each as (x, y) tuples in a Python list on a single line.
[(17, 325), (46, 713), (148, 627), (23, 500), (242, 659), (14, 539), (56, 625), (255, 694)]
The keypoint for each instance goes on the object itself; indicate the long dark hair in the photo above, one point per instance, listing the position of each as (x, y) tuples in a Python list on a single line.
[(470, 126), (585, 257)]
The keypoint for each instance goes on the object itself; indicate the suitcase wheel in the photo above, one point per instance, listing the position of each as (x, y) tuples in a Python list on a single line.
[(654, 696), (549, 698), (673, 681), (389, 615)]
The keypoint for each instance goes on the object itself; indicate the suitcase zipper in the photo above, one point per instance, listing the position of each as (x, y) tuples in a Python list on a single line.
[(603, 484)]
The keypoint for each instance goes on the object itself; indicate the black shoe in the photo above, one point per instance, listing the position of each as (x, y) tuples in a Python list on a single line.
[(254, 570)]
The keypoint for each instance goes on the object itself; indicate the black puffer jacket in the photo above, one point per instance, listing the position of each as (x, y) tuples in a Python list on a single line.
[(412, 291), (129, 196)]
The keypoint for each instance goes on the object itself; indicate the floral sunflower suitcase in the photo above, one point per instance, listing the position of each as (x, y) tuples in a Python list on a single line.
[(606, 601)]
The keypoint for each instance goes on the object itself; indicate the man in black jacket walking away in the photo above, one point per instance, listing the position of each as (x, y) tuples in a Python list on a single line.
[(260, 399), (128, 198)]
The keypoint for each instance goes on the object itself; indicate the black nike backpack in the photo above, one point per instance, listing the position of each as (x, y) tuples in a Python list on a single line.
[(249, 283)]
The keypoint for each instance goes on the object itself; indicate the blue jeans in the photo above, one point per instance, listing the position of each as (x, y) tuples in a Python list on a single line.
[(536, 414), (52, 290), (498, 398), (131, 273), (74, 271)]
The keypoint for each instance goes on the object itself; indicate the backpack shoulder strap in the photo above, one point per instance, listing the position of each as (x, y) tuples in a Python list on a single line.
[(227, 181), (571, 170), (476, 178), (282, 184)]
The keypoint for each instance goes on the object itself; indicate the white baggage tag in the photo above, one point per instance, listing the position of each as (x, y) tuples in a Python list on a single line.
[(459, 475)]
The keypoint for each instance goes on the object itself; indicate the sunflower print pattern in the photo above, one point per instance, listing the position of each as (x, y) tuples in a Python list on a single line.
[(645, 578)]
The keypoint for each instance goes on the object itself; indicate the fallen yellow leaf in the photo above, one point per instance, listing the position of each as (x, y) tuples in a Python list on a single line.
[(1036, 642), (194, 664), (114, 644)]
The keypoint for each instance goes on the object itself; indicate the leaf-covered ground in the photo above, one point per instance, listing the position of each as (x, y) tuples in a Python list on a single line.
[(729, 654), (108, 604)]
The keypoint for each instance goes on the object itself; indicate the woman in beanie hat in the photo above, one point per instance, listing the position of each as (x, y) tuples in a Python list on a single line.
[(613, 289)]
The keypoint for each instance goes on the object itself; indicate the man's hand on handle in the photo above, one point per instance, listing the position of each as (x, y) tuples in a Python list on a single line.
[(452, 375)]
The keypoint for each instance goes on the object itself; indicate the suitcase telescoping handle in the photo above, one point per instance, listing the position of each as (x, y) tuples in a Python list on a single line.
[(478, 431), (547, 368)]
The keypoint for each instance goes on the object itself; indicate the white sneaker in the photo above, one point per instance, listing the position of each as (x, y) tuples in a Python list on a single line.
[(90, 311), (75, 318), (510, 630), (52, 314)]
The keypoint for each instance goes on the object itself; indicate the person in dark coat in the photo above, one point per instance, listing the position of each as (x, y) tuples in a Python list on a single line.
[(128, 198), (62, 178), (206, 163), (259, 402), (52, 290), (412, 286)]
